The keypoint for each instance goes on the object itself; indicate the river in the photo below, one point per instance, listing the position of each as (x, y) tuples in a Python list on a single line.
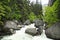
[(21, 35)]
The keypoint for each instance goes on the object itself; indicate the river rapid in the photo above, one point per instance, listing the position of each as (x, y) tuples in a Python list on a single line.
[(21, 35)]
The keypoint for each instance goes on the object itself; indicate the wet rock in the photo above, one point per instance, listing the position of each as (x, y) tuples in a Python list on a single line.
[(12, 31), (9, 31), (20, 23), (6, 31), (15, 21), (11, 25), (27, 22), (38, 23), (40, 30), (45, 25), (20, 26), (31, 31), (54, 31)]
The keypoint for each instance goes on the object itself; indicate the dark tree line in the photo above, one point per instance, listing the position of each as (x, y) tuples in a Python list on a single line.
[(19, 10)]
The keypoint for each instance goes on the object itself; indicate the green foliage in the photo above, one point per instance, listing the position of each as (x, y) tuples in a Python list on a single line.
[(32, 16), (19, 10), (16, 16), (2, 13), (40, 16), (52, 13), (56, 8)]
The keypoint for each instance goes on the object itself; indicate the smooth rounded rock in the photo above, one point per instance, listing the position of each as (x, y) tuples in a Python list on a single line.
[(54, 31)]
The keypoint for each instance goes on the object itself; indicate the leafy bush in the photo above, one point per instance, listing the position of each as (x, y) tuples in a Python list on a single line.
[(16, 16), (19, 10), (2, 13), (56, 8), (32, 16), (40, 16), (51, 14)]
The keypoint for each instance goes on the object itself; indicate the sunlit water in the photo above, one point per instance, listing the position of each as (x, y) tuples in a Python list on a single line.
[(21, 35)]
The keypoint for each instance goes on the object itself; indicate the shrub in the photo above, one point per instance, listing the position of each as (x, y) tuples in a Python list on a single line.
[(32, 16)]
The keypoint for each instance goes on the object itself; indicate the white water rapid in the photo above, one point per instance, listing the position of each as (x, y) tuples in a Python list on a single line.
[(21, 35)]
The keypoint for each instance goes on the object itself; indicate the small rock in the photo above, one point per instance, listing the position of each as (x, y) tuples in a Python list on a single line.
[(15, 21), (38, 23), (31, 31), (27, 22), (20, 26)]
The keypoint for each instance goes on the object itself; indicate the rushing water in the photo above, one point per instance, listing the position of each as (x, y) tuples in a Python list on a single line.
[(21, 35)]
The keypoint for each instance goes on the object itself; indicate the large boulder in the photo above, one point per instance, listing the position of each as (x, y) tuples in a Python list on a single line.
[(11, 25), (54, 31), (38, 23), (31, 31), (27, 22)]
